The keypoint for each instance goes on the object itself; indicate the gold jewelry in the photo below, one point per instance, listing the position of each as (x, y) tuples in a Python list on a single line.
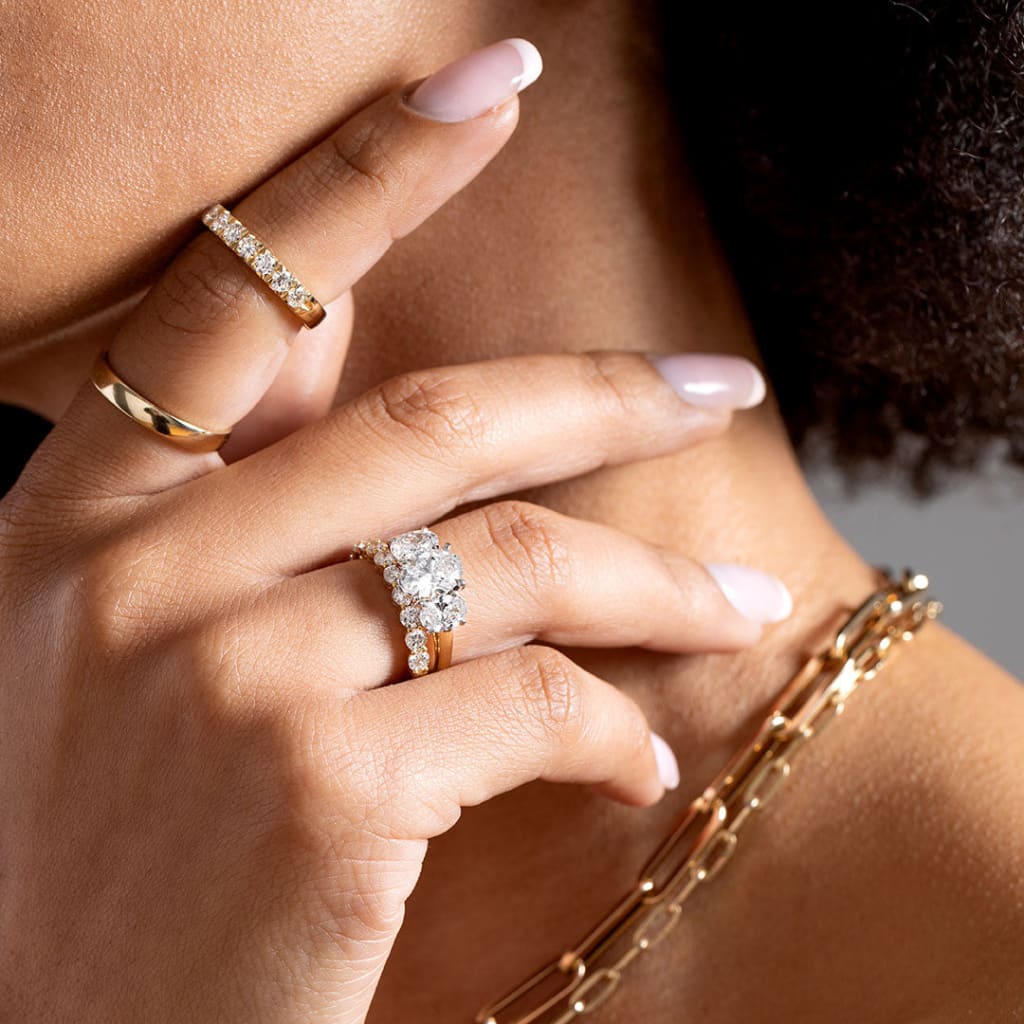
[(255, 254), (152, 417), (425, 581), (705, 839)]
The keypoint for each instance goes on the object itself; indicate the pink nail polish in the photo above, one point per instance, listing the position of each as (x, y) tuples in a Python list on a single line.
[(715, 382), (754, 594), (479, 82), (668, 766)]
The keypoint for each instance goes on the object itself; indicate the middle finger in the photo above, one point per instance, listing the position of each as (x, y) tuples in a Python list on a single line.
[(410, 450)]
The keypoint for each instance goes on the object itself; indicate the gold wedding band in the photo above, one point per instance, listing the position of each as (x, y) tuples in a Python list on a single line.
[(256, 255), (425, 580), (152, 417)]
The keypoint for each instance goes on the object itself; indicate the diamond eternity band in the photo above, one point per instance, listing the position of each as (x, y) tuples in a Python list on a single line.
[(253, 251)]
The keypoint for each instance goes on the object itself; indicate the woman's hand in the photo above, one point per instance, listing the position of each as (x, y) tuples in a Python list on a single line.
[(213, 810)]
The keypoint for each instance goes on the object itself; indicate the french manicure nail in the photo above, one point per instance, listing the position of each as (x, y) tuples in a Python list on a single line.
[(668, 766), (479, 82), (715, 382), (753, 593)]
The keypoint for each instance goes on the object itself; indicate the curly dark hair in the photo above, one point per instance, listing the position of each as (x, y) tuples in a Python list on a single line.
[(863, 164)]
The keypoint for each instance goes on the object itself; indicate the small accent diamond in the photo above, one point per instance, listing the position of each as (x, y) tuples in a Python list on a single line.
[(233, 232), (419, 662), (416, 640), (264, 264), (247, 247), (282, 281), (410, 616), (383, 557), (400, 597), (391, 574), (297, 297)]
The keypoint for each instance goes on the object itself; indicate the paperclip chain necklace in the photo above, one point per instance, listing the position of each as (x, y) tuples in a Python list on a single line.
[(705, 840)]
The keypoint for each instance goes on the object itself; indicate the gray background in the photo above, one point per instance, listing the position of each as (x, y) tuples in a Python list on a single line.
[(969, 539)]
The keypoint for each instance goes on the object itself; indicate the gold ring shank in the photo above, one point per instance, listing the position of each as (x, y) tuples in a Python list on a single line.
[(441, 654), (159, 421), (256, 255)]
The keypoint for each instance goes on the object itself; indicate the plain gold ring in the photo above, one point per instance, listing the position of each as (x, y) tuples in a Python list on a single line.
[(144, 412)]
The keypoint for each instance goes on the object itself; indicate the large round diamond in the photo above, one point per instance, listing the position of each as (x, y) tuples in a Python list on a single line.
[(431, 572)]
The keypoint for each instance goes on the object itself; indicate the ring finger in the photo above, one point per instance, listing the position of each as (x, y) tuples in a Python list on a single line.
[(533, 574)]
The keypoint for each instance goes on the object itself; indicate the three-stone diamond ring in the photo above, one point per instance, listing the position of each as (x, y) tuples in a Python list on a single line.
[(425, 579)]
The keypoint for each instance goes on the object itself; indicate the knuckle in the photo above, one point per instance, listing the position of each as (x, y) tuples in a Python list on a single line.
[(551, 688), (382, 787), (356, 159), (534, 542), (635, 731), (218, 656), (200, 293), (611, 377), (104, 595), (122, 591), (432, 409)]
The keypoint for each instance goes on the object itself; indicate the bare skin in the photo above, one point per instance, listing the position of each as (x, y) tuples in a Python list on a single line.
[(885, 884)]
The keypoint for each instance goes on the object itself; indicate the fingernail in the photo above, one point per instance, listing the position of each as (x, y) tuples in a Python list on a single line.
[(479, 82), (715, 382), (753, 593), (668, 766)]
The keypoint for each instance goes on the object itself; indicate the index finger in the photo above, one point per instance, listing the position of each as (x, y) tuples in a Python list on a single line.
[(209, 337)]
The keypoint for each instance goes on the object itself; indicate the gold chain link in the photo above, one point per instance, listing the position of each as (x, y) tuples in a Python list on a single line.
[(706, 839)]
